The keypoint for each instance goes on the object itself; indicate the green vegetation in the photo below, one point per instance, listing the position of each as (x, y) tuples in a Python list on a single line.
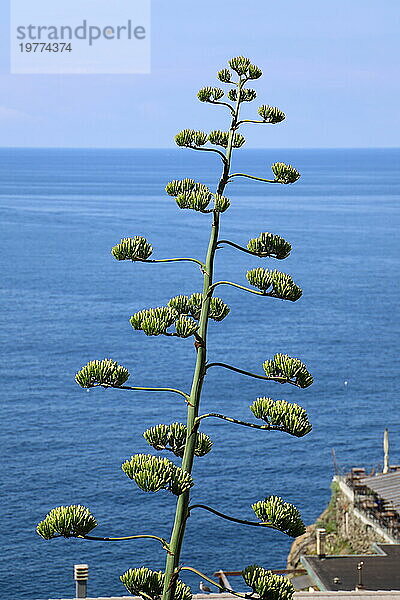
[(335, 543), (328, 518), (188, 317)]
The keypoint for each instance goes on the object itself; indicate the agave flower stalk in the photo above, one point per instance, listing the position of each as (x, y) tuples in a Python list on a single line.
[(188, 316), (181, 514)]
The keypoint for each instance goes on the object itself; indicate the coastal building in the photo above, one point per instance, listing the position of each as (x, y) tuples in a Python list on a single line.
[(355, 543), (351, 553)]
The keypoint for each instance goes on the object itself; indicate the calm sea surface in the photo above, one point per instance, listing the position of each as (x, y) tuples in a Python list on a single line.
[(65, 301)]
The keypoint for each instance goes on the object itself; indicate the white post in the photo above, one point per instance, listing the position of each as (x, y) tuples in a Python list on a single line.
[(346, 523), (321, 534), (81, 574), (386, 451)]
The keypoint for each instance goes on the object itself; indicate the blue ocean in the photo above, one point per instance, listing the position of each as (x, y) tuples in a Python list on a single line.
[(66, 300)]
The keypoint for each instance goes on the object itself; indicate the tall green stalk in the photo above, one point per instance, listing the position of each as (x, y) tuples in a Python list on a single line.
[(181, 514), (188, 316)]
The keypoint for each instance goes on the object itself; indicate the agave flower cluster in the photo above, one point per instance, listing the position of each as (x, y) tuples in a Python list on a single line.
[(188, 317)]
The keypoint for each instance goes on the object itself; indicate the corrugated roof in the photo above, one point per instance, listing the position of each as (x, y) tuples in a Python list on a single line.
[(387, 486)]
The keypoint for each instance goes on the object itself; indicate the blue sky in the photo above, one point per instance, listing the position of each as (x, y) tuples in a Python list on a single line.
[(331, 66)]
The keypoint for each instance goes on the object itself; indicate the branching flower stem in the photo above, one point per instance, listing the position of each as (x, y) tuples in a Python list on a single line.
[(181, 513), (163, 542), (165, 260), (145, 389), (96, 538), (252, 177), (231, 108), (260, 255), (246, 289), (221, 154), (241, 287), (252, 121), (228, 518), (278, 379), (238, 422)]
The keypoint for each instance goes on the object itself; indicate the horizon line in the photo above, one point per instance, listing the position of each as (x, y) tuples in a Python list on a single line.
[(178, 149)]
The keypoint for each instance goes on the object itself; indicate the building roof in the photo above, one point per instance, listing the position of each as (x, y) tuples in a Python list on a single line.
[(364, 595), (353, 595), (379, 572), (387, 486)]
